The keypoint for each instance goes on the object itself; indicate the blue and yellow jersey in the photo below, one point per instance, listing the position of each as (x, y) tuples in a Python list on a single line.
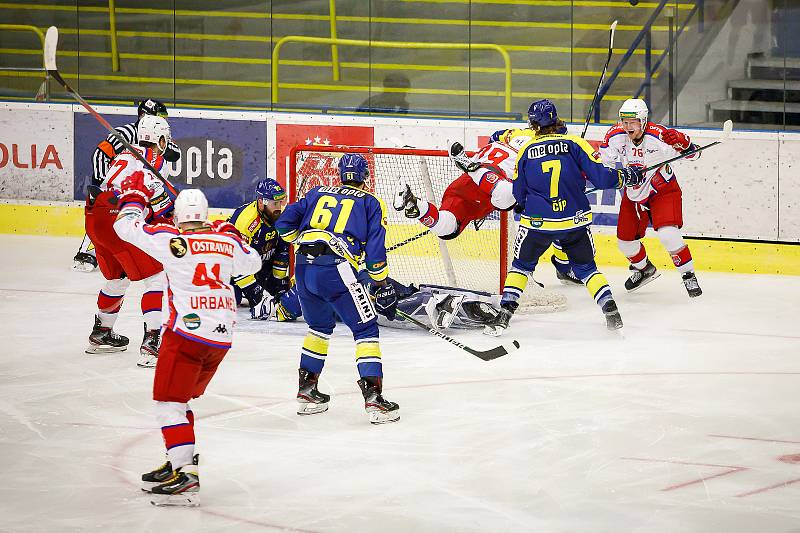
[(351, 221), (550, 180), (263, 238)]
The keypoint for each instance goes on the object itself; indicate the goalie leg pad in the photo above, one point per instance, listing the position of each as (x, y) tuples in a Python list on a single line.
[(442, 309)]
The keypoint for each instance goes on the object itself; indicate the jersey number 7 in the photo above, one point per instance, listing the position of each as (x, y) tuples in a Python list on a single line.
[(323, 213), (554, 168)]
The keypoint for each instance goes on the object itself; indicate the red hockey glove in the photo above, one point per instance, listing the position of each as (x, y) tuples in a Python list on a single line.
[(679, 141), (134, 190), (223, 226)]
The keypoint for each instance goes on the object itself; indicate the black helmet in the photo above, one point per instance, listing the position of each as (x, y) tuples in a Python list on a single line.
[(152, 107)]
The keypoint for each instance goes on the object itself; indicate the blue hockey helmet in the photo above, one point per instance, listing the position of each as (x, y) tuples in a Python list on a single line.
[(543, 113), (353, 168), (269, 189)]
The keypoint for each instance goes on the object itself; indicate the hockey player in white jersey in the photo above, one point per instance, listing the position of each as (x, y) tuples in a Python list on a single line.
[(657, 201), (85, 260), (120, 262), (199, 262)]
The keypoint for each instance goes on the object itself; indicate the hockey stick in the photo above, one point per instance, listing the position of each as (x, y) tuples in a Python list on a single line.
[(485, 355), (727, 128), (413, 238), (602, 78), (50, 45)]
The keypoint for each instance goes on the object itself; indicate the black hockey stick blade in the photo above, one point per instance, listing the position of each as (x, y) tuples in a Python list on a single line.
[(50, 48), (485, 355)]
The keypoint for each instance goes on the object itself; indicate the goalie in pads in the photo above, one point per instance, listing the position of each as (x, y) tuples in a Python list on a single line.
[(442, 307)]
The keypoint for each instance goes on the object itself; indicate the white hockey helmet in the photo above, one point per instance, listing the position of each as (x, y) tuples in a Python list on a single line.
[(191, 206), (634, 108), (152, 128)]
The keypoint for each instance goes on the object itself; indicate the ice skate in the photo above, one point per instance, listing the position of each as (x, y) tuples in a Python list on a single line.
[(311, 400), (690, 282), (566, 278), (84, 262), (181, 489), (500, 324), (158, 476), (461, 159), (641, 277), (613, 318), (404, 200), (380, 411), (104, 340), (148, 352)]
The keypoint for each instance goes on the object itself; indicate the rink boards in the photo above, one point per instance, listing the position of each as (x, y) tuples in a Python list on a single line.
[(66, 219)]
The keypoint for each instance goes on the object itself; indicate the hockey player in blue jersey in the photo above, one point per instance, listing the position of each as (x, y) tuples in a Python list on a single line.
[(549, 184), (255, 223), (334, 229)]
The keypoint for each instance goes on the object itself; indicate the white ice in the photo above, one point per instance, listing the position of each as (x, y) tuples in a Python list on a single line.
[(689, 424)]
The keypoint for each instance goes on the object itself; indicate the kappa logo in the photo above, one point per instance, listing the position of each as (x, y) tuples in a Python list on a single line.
[(221, 329), (177, 245)]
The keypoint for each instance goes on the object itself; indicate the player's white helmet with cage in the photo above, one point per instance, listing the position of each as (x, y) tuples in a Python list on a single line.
[(634, 108), (191, 205), (153, 129)]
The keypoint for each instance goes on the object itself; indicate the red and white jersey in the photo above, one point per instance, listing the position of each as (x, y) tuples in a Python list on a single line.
[(618, 150), (199, 266), (126, 164), (499, 159), (502, 155)]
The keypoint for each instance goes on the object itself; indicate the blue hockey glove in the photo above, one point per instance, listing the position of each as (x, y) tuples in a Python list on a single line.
[(631, 176), (385, 299)]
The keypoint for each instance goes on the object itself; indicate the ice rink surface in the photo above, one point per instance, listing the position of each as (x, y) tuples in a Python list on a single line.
[(689, 424)]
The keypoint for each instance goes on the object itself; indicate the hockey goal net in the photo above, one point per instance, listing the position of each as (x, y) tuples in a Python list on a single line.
[(478, 259)]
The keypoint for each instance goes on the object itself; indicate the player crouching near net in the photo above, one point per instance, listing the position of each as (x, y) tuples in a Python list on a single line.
[(657, 200), (333, 229), (199, 260), (549, 184), (255, 223), (119, 261)]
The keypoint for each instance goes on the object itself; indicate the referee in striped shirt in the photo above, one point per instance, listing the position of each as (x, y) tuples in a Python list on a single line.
[(105, 152)]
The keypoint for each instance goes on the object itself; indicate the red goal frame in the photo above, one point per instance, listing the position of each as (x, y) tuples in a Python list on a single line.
[(291, 184)]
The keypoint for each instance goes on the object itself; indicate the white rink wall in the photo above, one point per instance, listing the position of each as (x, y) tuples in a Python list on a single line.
[(745, 188)]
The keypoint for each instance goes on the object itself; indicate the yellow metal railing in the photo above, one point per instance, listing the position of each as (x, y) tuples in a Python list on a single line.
[(391, 44), (334, 48), (112, 27), (26, 27)]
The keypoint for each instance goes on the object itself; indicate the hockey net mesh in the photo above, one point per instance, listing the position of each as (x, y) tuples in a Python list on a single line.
[(470, 261)]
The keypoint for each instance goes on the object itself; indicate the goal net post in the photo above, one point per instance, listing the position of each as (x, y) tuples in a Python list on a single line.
[(477, 259)]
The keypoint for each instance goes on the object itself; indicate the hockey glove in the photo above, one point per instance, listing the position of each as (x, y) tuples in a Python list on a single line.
[(255, 297), (223, 226), (679, 141), (631, 176), (461, 159), (496, 136), (385, 299), (134, 190)]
